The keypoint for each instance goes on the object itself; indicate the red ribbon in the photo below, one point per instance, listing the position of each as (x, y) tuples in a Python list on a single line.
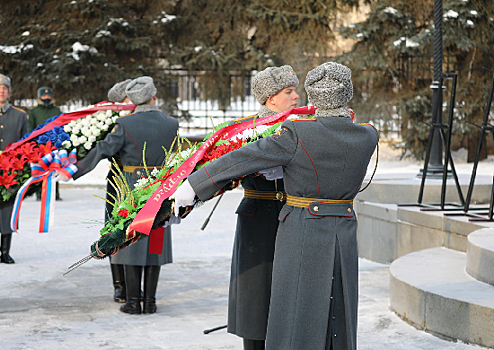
[(144, 219)]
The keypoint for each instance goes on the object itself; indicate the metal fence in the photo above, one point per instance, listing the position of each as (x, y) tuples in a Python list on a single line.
[(199, 108)]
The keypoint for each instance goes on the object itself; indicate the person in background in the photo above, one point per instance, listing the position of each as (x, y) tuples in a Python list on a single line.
[(116, 94), (314, 294), (38, 115), (150, 128), (257, 222), (13, 125)]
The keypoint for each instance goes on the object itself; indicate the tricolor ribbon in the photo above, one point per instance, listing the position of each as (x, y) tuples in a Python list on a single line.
[(144, 219), (44, 171)]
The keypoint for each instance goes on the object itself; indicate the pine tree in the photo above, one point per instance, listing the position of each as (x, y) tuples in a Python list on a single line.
[(81, 47), (392, 64), (226, 36)]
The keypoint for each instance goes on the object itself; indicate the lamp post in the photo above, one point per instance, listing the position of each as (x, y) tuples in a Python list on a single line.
[(436, 157)]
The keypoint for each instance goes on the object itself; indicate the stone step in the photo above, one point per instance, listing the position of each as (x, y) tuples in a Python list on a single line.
[(480, 255), (432, 290)]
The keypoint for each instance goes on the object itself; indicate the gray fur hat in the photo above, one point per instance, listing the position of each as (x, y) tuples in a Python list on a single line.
[(268, 82), (5, 80), (140, 90), (117, 92), (329, 86)]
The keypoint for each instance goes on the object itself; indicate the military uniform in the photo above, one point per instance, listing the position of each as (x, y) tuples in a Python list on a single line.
[(39, 114), (146, 126), (13, 125), (314, 291), (253, 253)]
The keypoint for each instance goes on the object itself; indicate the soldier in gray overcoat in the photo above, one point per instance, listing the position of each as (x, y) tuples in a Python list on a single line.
[(257, 222), (13, 125), (116, 94), (147, 126), (314, 292)]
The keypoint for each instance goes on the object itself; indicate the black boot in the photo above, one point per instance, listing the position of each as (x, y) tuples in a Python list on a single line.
[(5, 248), (151, 276), (250, 344), (117, 273), (133, 287)]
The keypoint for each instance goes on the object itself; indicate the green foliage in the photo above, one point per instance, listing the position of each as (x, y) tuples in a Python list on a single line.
[(81, 48), (392, 63)]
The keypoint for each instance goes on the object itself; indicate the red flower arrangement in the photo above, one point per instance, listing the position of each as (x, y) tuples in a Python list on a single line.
[(15, 168)]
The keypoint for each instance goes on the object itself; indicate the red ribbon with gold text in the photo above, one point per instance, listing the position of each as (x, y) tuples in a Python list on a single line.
[(144, 219)]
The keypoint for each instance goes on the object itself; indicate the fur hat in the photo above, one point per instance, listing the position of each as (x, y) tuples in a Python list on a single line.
[(140, 90), (117, 92), (45, 90), (329, 86), (270, 81), (5, 80)]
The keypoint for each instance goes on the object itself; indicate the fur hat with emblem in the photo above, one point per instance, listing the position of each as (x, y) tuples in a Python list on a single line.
[(117, 92), (45, 91), (329, 87), (270, 81), (5, 80), (140, 90)]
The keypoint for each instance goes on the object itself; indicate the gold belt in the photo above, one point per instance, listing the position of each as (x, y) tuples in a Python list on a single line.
[(269, 195), (131, 168), (303, 202)]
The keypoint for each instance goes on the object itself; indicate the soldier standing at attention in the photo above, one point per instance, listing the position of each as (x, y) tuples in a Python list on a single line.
[(38, 115), (257, 223), (147, 126), (13, 125), (116, 94), (314, 292)]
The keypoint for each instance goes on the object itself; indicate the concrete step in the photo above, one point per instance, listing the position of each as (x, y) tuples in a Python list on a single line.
[(432, 290), (480, 255)]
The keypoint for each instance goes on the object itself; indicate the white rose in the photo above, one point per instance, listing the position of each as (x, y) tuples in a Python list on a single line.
[(101, 116), (100, 125), (86, 121), (88, 145), (124, 113), (96, 132), (72, 123), (109, 121), (87, 133), (67, 128), (94, 121), (109, 113), (66, 144), (93, 127), (75, 131), (105, 127), (75, 143), (82, 139), (114, 119), (91, 139)]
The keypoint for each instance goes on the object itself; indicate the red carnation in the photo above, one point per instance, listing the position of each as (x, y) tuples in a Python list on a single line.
[(123, 212)]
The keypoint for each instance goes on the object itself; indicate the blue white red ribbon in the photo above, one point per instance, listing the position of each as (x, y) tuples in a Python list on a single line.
[(44, 171)]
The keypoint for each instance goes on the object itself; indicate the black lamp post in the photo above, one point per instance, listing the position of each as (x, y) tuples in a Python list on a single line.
[(436, 157)]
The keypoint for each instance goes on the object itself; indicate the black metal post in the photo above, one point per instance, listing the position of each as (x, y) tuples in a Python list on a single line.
[(435, 166)]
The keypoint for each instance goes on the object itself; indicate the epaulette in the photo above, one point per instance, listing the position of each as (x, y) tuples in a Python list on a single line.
[(19, 109), (370, 125), (238, 120), (303, 119)]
